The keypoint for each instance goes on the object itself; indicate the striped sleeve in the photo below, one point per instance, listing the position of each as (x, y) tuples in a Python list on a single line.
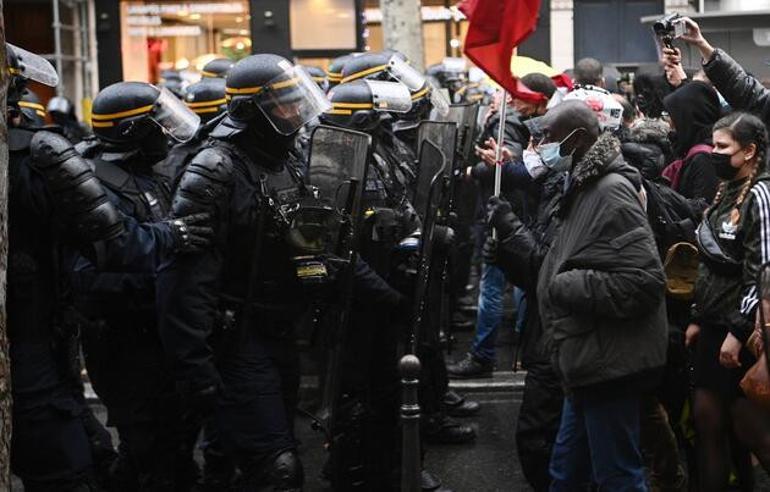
[(761, 195)]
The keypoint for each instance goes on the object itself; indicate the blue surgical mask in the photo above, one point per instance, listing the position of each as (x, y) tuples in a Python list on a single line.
[(550, 152)]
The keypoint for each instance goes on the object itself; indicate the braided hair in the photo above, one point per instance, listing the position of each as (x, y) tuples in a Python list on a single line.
[(746, 129)]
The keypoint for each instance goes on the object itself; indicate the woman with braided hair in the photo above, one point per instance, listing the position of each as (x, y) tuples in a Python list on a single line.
[(734, 240)]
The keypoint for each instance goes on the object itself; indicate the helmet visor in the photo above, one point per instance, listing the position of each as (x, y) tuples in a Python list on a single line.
[(34, 67), (59, 105), (439, 99), (406, 74), (390, 96), (176, 119), (291, 100)]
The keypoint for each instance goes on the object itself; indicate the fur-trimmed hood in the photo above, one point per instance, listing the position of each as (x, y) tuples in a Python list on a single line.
[(596, 162), (649, 130)]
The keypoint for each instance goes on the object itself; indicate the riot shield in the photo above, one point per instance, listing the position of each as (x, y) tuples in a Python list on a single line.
[(329, 220), (442, 134), (330, 214), (430, 188), (465, 116)]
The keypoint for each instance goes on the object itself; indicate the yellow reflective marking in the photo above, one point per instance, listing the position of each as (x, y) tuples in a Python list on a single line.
[(27, 104), (364, 73), (209, 74), (418, 95), (201, 104), (102, 124), (243, 90), (344, 105), (340, 111), (122, 114), (205, 110)]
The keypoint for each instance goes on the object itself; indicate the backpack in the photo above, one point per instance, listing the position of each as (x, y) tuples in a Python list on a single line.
[(673, 172), (673, 222)]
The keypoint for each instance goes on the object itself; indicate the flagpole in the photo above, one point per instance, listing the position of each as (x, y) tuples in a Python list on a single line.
[(499, 151)]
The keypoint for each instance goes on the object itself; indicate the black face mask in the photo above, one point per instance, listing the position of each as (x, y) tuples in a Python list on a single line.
[(722, 167)]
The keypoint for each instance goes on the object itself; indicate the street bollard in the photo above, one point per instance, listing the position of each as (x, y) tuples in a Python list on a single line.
[(409, 368)]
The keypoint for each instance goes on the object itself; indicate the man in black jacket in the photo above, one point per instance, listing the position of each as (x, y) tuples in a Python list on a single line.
[(600, 293)]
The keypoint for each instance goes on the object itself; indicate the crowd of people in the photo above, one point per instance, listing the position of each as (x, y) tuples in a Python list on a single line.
[(175, 251)]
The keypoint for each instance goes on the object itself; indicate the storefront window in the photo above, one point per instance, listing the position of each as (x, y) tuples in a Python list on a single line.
[(163, 38), (323, 24)]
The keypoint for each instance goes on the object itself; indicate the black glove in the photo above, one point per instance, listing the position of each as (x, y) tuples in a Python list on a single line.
[(490, 251), (443, 237), (192, 232), (500, 216)]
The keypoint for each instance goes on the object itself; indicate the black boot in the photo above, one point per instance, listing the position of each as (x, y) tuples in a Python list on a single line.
[(458, 406), (470, 367), (441, 429)]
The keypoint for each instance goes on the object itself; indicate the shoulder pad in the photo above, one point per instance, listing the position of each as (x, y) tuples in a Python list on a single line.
[(88, 147), (112, 175), (19, 138), (77, 194), (205, 180)]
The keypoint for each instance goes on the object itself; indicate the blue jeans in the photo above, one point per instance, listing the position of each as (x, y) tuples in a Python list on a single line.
[(598, 442), (490, 313)]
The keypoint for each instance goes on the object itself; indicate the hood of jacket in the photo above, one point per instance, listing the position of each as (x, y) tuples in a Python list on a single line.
[(693, 108), (602, 158)]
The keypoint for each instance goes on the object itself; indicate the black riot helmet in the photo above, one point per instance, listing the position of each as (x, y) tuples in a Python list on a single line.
[(318, 76), (32, 111), (269, 92), (335, 69), (393, 66), (217, 68), (359, 105), (172, 80), (22, 66), (207, 98), (130, 112)]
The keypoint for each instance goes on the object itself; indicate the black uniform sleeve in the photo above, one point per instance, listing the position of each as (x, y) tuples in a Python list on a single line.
[(741, 90), (189, 285)]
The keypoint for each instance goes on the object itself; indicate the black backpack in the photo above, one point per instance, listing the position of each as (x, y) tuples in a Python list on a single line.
[(673, 220)]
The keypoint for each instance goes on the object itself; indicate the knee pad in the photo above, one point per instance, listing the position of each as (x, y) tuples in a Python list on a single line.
[(285, 474)]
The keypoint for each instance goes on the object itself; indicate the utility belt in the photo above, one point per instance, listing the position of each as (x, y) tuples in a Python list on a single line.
[(274, 320)]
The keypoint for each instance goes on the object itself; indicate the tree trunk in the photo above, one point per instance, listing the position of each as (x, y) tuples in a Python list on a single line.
[(402, 28), (5, 363)]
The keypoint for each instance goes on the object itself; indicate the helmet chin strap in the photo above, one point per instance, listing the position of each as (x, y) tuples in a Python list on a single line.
[(273, 149)]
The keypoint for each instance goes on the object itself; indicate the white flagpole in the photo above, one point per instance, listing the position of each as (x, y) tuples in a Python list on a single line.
[(499, 153)]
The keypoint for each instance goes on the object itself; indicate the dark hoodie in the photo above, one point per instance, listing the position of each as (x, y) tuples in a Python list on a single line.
[(694, 108)]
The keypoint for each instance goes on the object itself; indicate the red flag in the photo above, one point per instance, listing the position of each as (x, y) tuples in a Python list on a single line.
[(496, 28)]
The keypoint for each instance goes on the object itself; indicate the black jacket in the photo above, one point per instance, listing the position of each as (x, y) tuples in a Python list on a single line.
[(742, 91), (600, 286), (727, 296)]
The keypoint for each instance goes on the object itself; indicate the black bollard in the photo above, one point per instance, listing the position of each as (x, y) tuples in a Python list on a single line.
[(409, 367)]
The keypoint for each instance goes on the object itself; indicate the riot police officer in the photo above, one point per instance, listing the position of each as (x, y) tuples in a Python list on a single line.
[(33, 112), (318, 75), (217, 68), (62, 113), (124, 356), (244, 290), (206, 98)]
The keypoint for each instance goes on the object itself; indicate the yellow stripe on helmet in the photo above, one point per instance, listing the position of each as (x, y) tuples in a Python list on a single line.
[(419, 94), (344, 105), (209, 74), (363, 73), (32, 105), (102, 124), (340, 111), (123, 114), (206, 110), (203, 104)]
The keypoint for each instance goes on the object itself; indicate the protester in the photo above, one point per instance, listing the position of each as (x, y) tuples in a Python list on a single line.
[(600, 291), (732, 241)]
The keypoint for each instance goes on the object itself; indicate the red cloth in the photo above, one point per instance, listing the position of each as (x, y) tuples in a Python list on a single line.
[(496, 28)]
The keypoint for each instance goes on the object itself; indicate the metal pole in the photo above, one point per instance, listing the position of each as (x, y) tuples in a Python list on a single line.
[(499, 153), (409, 367), (57, 44)]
